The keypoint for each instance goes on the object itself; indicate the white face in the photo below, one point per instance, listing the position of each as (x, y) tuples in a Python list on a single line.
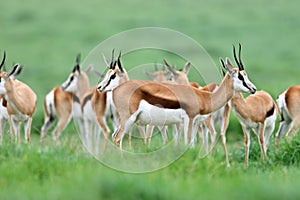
[(2, 88), (70, 85), (110, 81), (242, 83)]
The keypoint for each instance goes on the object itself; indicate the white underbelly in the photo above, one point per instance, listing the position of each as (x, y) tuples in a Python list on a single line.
[(246, 122), (154, 115)]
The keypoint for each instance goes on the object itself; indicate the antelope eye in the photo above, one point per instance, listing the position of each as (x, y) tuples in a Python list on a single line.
[(113, 76)]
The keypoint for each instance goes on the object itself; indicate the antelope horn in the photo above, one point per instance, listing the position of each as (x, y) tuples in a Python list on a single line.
[(3, 60), (171, 69), (235, 58), (241, 64), (112, 63), (106, 60), (78, 58)]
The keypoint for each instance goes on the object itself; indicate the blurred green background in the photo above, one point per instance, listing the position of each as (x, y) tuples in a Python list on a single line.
[(45, 37)]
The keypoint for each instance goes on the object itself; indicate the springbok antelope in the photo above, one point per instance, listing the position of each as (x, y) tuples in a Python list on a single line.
[(219, 117), (257, 112), (21, 102), (288, 105), (96, 106), (3, 104), (115, 76), (63, 102), (179, 77), (149, 102), (158, 75)]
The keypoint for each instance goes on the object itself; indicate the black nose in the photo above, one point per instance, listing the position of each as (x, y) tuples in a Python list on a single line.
[(253, 91)]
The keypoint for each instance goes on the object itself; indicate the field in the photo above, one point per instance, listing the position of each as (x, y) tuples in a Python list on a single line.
[(45, 37)]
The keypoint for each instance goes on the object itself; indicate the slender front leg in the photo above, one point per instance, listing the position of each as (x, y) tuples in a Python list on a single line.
[(224, 126), (149, 132), (2, 128), (187, 130), (61, 125), (102, 122), (164, 133), (262, 141), (247, 144), (14, 129), (209, 123), (205, 138), (27, 129)]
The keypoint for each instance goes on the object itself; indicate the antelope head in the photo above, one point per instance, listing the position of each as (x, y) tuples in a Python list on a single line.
[(179, 76), (70, 85), (113, 76), (241, 81), (6, 77), (158, 75)]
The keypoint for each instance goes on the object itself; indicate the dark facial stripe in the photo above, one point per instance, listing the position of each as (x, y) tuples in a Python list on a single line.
[(110, 79), (69, 83), (243, 80)]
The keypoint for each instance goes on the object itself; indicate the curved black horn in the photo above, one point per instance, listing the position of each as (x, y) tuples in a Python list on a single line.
[(235, 58), (112, 63), (241, 64), (78, 57), (222, 62), (170, 68), (3, 60), (119, 56)]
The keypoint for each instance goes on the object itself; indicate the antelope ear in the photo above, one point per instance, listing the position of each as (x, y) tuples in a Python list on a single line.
[(228, 62), (187, 68), (14, 71), (226, 66), (18, 71)]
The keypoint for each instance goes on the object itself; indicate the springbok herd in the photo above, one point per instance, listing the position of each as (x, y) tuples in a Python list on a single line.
[(168, 99)]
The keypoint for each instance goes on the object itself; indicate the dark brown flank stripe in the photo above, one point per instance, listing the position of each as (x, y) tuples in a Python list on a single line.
[(4, 102), (76, 99), (271, 111), (87, 98), (158, 101)]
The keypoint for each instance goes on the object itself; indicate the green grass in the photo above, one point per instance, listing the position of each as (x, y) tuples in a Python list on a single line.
[(45, 37)]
